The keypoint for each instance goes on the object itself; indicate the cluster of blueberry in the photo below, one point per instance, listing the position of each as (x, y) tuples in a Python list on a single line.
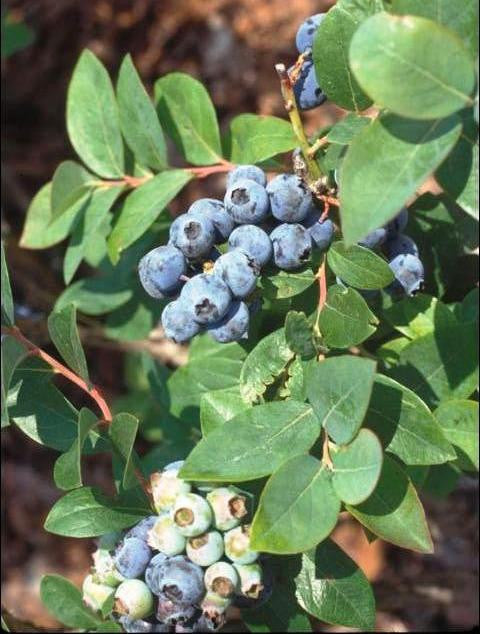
[(401, 252), (178, 571), (261, 222), (308, 93)]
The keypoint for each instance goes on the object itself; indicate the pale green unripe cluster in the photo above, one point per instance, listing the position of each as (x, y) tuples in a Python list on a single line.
[(165, 537), (192, 514), (237, 545), (205, 549), (228, 507), (167, 486), (96, 595), (133, 599), (104, 570)]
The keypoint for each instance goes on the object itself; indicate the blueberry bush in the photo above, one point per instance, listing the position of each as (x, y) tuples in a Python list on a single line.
[(330, 311)]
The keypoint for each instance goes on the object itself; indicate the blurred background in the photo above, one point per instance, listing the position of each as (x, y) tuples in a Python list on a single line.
[(231, 46)]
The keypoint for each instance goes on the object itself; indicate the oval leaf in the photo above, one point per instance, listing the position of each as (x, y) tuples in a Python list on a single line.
[(459, 422), (282, 284), (70, 182), (62, 327), (123, 431), (218, 407), (65, 602), (359, 267), (255, 138)]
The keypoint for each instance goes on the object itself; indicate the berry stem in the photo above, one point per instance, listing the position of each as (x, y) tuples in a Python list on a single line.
[(321, 276), (203, 172), (314, 172)]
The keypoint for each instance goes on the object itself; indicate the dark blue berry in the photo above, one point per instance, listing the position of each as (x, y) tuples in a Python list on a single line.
[(290, 198), (208, 296), (398, 224), (409, 273), (181, 581), (178, 321), (132, 557), (402, 244), (321, 232), (252, 172), (247, 202), (141, 529), (193, 235), (374, 238), (214, 210), (306, 32), (160, 270), (254, 241), (239, 272), (234, 326), (292, 246), (308, 93)]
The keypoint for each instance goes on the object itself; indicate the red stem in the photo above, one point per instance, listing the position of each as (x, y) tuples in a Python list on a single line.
[(322, 283), (203, 172)]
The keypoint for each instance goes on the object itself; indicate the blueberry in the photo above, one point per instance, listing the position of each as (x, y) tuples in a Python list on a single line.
[(214, 210), (229, 507), (233, 326), (242, 600), (306, 32), (321, 232), (374, 238), (251, 579), (133, 599), (132, 557), (247, 202), (140, 625), (104, 570), (402, 244), (213, 612), (290, 198), (153, 573), (308, 93), (251, 172), (171, 612), (205, 549), (194, 235), (254, 241), (160, 271), (181, 581), (192, 514), (239, 272), (165, 537), (409, 272), (141, 529), (398, 224), (237, 545), (208, 296), (222, 578), (167, 486), (292, 246), (96, 595), (178, 321)]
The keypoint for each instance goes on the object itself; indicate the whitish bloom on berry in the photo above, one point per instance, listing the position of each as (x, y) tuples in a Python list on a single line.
[(205, 549), (222, 578), (104, 570), (237, 545), (165, 537), (251, 579), (229, 507), (167, 486), (96, 595), (192, 514), (133, 599)]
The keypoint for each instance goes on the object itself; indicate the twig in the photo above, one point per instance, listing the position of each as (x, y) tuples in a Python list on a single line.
[(317, 145), (203, 172)]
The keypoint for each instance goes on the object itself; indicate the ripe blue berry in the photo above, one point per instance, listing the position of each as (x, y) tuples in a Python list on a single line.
[(402, 244), (251, 172), (171, 612), (233, 326), (321, 232), (178, 321), (132, 557), (133, 599), (192, 514), (141, 626), (214, 210), (409, 272), (306, 32), (308, 93), (181, 581), (253, 241), (239, 272), (194, 235), (247, 202), (208, 296), (153, 573), (374, 238), (398, 224), (141, 529), (160, 271), (290, 198), (292, 246)]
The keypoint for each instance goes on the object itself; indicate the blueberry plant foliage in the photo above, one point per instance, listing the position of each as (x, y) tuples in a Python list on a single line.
[(355, 390)]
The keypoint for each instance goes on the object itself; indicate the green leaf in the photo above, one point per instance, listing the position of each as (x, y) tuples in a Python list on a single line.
[(142, 207), (123, 431), (64, 601), (441, 480), (459, 422), (138, 118), (298, 508), (282, 284), (135, 319), (15, 35), (96, 295), (384, 166), (356, 467), (298, 334), (67, 472), (87, 512), (359, 267), (441, 365), (39, 231), (87, 226), (345, 319), (254, 443), (389, 352), (12, 354), (8, 318), (394, 512), (92, 118), (332, 588), (347, 128), (339, 389), (70, 183), (419, 315), (330, 52), (294, 385), (405, 425), (62, 327), (255, 138), (263, 364), (218, 407), (468, 309), (188, 115), (412, 66), (462, 20)]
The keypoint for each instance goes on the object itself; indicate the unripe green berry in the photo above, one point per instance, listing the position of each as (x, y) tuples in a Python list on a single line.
[(228, 507), (192, 514), (104, 570), (134, 599), (165, 537), (96, 595), (251, 579), (205, 549), (237, 545), (167, 486), (213, 612), (222, 578)]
